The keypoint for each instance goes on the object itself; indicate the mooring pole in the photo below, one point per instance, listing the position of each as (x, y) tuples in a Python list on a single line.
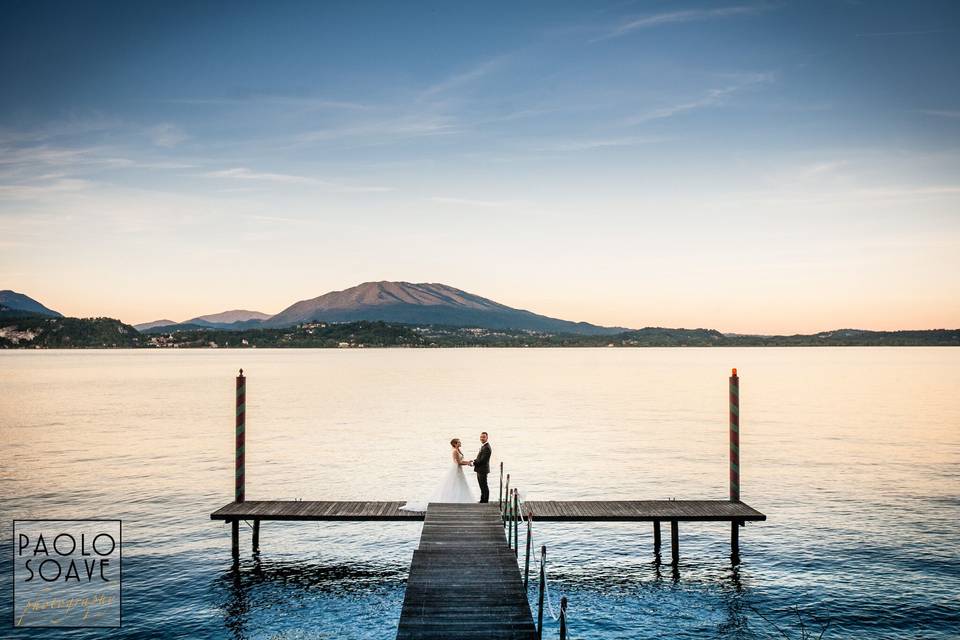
[(656, 537), (256, 535), (734, 460), (734, 437), (526, 564), (240, 480), (500, 500), (543, 576), (516, 522), (563, 618)]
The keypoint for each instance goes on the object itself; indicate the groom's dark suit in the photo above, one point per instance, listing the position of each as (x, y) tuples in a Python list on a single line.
[(481, 464)]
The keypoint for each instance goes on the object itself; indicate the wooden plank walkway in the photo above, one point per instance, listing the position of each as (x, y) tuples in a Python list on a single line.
[(464, 581)]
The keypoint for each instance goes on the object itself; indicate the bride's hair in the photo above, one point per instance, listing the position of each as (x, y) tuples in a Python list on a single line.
[(454, 442)]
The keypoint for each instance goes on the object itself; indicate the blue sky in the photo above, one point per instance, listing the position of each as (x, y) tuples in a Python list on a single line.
[(747, 166)]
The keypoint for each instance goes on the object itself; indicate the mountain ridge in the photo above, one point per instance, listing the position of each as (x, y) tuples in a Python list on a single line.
[(423, 303), (19, 302)]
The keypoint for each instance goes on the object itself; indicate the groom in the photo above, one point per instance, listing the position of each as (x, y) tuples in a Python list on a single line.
[(481, 464)]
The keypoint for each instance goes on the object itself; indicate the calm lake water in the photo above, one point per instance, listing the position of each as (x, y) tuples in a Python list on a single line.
[(853, 454)]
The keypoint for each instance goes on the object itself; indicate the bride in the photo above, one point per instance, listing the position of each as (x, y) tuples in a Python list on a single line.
[(453, 487)]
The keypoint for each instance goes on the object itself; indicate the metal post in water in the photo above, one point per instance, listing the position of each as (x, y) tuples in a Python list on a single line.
[(516, 522), (563, 618), (503, 511), (543, 575), (526, 564), (734, 437), (239, 477), (500, 499)]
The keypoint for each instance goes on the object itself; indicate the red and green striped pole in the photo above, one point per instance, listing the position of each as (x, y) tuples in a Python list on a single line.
[(241, 432), (734, 437)]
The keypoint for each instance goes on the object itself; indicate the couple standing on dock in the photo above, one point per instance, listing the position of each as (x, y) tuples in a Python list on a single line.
[(453, 487)]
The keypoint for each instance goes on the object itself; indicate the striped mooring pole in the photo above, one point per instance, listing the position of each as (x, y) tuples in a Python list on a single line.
[(240, 479), (734, 437)]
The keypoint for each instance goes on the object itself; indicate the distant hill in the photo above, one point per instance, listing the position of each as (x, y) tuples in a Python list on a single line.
[(34, 330), (420, 304), (227, 319), (11, 301), (182, 326), (235, 319), (156, 323)]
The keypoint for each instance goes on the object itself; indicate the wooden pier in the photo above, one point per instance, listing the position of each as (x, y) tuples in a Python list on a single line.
[(464, 581), (464, 577)]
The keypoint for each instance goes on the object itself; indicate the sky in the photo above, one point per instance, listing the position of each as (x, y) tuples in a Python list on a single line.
[(763, 167)]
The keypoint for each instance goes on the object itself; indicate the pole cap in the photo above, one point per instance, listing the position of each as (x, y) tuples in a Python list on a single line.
[(734, 374), (241, 372)]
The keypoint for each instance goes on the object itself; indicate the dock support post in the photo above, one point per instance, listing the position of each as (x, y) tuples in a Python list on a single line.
[(675, 542), (256, 536), (735, 540), (656, 537), (239, 474), (734, 437), (543, 575), (526, 564), (563, 618), (235, 539), (516, 522)]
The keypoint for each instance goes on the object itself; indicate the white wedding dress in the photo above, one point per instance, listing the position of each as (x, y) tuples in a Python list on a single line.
[(453, 487)]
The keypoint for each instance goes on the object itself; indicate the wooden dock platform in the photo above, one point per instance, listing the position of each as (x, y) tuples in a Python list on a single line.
[(464, 581), (313, 510), (543, 511), (642, 511)]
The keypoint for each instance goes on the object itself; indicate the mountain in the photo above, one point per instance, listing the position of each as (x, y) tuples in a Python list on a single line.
[(423, 303), (11, 301), (224, 319), (234, 319), (156, 323)]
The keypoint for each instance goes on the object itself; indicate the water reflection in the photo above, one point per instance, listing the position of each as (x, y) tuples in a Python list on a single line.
[(277, 583)]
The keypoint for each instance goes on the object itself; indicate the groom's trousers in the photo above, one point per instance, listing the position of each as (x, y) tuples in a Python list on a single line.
[(484, 489)]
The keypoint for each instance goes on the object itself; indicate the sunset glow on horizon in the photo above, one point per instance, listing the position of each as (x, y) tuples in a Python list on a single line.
[(770, 167)]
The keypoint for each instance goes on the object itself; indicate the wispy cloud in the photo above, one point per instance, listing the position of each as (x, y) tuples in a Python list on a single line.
[(588, 144), (463, 78), (674, 17), (484, 204), (941, 113), (712, 98), (167, 135), (386, 131), (42, 189), (243, 173), (282, 99), (887, 34)]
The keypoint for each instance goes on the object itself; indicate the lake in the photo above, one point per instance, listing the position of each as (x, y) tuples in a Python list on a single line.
[(852, 453)]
